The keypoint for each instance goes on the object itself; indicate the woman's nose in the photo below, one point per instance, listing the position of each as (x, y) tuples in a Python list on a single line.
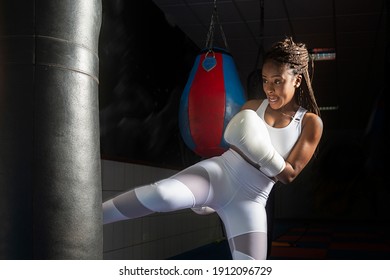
[(268, 88)]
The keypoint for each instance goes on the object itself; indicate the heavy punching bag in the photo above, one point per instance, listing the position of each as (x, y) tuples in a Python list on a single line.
[(212, 96), (50, 187)]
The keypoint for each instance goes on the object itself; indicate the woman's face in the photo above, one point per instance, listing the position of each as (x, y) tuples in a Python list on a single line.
[(279, 84)]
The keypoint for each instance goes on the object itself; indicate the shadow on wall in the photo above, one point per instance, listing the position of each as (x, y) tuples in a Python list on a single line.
[(144, 65)]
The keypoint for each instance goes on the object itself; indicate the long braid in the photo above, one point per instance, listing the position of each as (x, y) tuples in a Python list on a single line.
[(297, 57)]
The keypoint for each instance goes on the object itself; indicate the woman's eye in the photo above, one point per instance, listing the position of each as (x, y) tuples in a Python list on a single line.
[(264, 81), (277, 82)]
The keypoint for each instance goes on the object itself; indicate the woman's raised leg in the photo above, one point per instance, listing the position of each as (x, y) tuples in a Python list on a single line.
[(186, 189)]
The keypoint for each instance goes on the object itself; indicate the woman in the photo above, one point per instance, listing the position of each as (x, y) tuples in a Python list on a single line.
[(271, 140)]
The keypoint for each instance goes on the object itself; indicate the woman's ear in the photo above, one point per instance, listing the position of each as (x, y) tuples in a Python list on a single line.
[(298, 80)]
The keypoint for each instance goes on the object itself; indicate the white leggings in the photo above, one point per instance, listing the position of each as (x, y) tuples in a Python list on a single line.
[(235, 189)]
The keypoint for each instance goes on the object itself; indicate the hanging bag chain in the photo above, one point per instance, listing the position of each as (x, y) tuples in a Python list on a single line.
[(211, 32)]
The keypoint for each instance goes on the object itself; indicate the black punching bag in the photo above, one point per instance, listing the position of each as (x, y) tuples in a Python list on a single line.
[(50, 187)]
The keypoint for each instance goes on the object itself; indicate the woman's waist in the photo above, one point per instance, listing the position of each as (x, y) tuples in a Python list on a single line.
[(244, 169)]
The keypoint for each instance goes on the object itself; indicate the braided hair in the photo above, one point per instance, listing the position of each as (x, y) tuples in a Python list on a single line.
[(297, 58)]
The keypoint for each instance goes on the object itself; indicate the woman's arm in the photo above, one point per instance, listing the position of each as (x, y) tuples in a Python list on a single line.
[(303, 149)]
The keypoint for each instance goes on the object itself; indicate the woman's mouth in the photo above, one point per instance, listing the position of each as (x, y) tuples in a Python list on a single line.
[(272, 99)]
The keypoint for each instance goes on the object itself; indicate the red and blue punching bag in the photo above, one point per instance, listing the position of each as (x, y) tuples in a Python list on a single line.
[(212, 96)]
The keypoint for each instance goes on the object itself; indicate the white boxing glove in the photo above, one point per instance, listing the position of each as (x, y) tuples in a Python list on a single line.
[(247, 132)]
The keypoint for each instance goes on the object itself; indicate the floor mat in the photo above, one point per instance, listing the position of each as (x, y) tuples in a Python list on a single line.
[(297, 240), (333, 241)]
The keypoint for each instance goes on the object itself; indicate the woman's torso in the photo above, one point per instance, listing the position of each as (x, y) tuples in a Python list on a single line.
[(283, 139)]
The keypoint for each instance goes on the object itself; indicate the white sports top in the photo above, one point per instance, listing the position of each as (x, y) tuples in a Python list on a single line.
[(290, 133)]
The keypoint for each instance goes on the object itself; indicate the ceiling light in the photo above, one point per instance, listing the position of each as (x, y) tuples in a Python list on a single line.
[(323, 54), (329, 108)]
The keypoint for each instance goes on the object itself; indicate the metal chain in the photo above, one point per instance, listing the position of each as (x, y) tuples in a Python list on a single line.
[(210, 34)]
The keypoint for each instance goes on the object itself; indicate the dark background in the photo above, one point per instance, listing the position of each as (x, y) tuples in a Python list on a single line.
[(144, 65)]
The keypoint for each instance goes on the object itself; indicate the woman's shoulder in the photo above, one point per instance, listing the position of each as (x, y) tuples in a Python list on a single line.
[(313, 122), (252, 104), (312, 118)]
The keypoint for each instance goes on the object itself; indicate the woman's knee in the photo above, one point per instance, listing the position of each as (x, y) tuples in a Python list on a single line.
[(165, 195)]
